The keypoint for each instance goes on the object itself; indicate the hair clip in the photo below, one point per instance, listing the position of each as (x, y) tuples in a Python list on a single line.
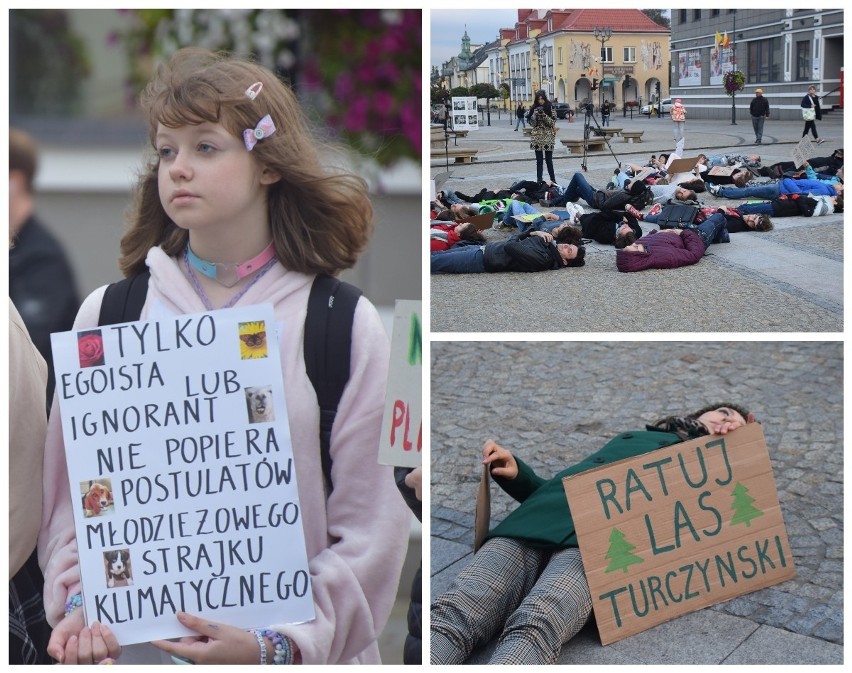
[(253, 90), (265, 127)]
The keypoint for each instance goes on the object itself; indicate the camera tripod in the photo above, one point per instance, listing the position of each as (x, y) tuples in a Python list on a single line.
[(587, 131)]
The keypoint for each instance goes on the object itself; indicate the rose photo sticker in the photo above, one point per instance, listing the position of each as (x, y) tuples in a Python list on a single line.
[(252, 340), (91, 348)]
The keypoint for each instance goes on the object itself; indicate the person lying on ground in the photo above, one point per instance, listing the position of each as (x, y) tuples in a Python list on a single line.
[(526, 585), (611, 228), (532, 251), (773, 190), (728, 160), (443, 236), (795, 205), (601, 199), (736, 221), (672, 248), (526, 217)]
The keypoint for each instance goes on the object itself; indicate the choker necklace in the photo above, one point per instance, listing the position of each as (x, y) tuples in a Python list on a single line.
[(233, 300), (230, 274)]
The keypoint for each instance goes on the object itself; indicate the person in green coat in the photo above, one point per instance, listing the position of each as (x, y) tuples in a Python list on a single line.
[(526, 583)]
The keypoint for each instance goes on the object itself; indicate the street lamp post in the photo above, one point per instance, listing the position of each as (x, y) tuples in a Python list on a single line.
[(602, 35)]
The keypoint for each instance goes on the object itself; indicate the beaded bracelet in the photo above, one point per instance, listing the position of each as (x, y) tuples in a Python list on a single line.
[(283, 654), (73, 603), (262, 644)]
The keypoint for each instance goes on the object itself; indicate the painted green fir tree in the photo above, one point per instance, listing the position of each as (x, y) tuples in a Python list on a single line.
[(743, 505), (620, 552)]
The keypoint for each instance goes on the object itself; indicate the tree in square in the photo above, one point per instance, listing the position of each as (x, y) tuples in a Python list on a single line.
[(743, 505), (620, 552)]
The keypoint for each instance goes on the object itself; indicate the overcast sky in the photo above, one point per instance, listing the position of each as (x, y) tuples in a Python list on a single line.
[(448, 26)]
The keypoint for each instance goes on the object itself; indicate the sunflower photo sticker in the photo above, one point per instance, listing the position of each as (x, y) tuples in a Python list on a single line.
[(90, 347), (252, 340)]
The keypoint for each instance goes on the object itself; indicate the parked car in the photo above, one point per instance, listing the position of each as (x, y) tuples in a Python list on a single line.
[(667, 106), (562, 110)]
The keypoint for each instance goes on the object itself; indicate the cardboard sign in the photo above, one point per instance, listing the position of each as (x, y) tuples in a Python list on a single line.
[(678, 529), (682, 166), (181, 472), (483, 221), (802, 151), (402, 424)]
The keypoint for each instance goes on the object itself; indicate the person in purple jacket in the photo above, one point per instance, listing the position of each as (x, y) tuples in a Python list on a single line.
[(672, 248)]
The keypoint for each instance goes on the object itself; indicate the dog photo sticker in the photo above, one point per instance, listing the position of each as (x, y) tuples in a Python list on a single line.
[(259, 403), (252, 340), (90, 346), (117, 568), (97, 497)]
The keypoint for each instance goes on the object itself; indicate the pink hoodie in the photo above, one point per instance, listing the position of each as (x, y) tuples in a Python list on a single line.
[(356, 540)]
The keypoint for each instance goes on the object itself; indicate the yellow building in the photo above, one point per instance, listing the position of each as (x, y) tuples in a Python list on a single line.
[(584, 56)]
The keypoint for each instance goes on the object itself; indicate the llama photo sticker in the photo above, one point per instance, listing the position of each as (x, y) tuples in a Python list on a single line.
[(97, 497), (90, 346), (259, 403), (253, 340)]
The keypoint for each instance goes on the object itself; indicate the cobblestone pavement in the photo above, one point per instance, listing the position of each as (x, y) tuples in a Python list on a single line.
[(787, 280), (555, 403)]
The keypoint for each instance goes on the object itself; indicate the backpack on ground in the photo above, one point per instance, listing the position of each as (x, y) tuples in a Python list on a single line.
[(327, 341), (678, 215)]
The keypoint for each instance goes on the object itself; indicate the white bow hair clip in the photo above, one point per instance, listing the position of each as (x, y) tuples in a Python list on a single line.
[(265, 127)]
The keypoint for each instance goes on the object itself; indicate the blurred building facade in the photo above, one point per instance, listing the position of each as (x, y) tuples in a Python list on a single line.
[(782, 51)]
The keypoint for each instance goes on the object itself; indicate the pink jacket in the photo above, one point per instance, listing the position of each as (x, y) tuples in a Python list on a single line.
[(356, 541)]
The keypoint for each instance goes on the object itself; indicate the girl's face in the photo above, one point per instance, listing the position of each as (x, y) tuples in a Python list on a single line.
[(208, 180), (722, 420)]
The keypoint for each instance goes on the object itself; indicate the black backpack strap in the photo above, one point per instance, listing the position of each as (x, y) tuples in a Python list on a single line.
[(123, 301), (328, 346)]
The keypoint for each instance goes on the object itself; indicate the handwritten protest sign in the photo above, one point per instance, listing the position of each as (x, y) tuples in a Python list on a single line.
[(181, 472), (402, 425), (802, 151), (678, 529)]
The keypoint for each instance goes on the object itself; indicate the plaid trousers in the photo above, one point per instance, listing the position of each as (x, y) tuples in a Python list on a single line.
[(535, 599)]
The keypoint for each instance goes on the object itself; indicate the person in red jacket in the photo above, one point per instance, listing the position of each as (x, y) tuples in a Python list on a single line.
[(444, 235)]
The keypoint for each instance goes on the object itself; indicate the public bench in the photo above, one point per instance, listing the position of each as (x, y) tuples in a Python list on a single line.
[(577, 146), (631, 136), (439, 136), (608, 131), (459, 156)]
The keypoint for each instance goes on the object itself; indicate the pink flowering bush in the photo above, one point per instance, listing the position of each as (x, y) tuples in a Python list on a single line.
[(359, 69)]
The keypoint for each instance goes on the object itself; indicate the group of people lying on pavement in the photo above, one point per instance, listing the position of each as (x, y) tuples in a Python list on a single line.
[(555, 240)]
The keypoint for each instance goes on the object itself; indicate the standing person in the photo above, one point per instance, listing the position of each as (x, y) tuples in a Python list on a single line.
[(526, 585), (519, 113), (28, 628), (410, 483), (678, 114), (41, 281), (442, 115), (811, 112), (605, 111), (223, 186), (759, 109), (542, 119)]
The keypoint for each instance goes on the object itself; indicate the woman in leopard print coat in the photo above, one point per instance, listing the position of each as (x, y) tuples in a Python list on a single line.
[(542, 120)]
